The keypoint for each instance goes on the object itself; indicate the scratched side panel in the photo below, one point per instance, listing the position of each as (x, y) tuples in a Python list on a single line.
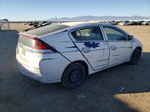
[(77, 56), (60, 41), (52, 66)]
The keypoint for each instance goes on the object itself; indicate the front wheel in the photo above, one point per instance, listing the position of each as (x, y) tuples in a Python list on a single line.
[(74, 76), (135, 56)]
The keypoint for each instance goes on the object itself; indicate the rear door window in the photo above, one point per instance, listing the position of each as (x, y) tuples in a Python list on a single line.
[(87, 34), (92, 33), (77, 35)]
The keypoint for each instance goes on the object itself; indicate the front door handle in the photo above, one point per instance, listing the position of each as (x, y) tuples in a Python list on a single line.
[(85, 50), (113, 47)]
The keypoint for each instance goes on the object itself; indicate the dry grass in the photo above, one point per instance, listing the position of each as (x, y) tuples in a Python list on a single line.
[(20, 27)]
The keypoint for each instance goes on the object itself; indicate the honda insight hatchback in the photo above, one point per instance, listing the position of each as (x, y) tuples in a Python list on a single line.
[(68, 53)]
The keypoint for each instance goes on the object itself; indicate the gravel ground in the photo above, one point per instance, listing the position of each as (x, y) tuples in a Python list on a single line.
[(124, 88)]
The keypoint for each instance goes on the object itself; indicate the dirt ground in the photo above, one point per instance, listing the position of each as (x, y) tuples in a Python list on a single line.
[(20, 27), (124, 88)]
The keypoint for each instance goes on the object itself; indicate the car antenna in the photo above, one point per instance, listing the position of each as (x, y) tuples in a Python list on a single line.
[(58, 21)]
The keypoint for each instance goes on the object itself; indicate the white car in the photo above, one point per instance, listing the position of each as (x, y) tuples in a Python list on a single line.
[(68, 53)]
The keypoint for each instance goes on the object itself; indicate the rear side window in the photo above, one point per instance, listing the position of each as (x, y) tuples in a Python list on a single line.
[(114, 34), (91, 33), (77, 35)]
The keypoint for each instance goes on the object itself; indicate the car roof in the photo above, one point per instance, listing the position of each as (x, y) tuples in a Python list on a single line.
[(78, 25), (58, 27), (84, 24)]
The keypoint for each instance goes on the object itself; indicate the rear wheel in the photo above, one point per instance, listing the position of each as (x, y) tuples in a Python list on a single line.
[(73, 76), (135, 56)]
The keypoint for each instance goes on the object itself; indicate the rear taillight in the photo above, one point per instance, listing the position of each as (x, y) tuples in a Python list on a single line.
[(39, 44)]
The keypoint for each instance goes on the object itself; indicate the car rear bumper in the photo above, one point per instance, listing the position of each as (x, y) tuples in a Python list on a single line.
[(28, 71)]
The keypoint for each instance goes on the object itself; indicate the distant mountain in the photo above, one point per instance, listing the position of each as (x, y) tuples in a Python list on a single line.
[(89, 18)]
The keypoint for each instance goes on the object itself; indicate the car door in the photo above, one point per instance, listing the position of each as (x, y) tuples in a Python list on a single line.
[(92, 45), (120, 47)]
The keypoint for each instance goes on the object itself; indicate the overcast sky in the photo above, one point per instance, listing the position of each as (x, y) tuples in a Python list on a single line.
[(45, 9)]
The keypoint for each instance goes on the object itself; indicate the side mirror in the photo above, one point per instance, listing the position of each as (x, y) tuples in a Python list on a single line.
[(129, 37)]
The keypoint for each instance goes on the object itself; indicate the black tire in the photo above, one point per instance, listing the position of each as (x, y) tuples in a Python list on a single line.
[(135, 56), (73, 76)]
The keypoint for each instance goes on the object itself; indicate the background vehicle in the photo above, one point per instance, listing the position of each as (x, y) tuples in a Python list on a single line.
[(68, 52)]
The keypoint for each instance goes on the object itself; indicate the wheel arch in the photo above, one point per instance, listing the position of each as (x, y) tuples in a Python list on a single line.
[(131, 61), (138, 47), (82, 63)]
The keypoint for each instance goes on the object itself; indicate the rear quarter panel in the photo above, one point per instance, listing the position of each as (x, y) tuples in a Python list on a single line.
[(53, 66), (62, 42)]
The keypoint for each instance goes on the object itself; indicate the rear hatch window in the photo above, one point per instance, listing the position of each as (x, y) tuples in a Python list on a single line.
[(47, 29)]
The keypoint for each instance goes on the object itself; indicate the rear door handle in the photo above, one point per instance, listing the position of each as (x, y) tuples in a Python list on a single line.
[(113, 47), (85, 50)]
